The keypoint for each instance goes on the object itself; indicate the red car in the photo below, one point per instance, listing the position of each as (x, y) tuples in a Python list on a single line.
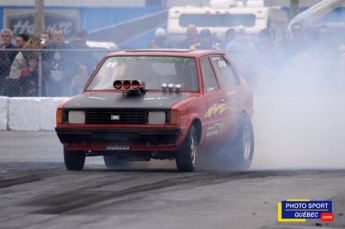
[(140, 105)]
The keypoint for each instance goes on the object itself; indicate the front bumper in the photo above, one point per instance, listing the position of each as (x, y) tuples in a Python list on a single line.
[(117, 139)]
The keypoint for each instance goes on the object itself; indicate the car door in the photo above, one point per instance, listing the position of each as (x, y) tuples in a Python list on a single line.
[(215, 115), (233, 93)]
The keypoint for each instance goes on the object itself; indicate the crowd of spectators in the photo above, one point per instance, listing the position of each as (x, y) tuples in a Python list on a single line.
[(65, 66), (307, 60)]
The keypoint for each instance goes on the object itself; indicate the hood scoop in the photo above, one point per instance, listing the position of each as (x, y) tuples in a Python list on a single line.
[(130, 87)]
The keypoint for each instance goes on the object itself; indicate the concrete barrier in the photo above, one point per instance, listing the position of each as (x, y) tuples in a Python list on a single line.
[(28, 114), (294, 113), (3, 113)]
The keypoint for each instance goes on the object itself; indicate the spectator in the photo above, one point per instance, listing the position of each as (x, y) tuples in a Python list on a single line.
[(20, 62), (192, 37), (85, 58), (229, 36), (21, 40), (160, 40), (265, 63), (218, 38), (298, 43), (324, 57), (6, 57), (45, 38), (59, 65), (206, 41), (28, 81), (241, 50)]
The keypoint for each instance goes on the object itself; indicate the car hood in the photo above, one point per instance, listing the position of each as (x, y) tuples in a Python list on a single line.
[(123, 101)]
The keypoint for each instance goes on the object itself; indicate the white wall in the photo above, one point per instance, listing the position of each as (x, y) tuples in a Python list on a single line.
[(28, 114)]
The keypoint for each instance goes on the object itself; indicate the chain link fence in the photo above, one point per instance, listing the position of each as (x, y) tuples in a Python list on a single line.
[(47, 72), (63, 73)]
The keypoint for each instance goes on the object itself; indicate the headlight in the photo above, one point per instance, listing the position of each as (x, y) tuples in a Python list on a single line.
[(76, 117), (157, 117)]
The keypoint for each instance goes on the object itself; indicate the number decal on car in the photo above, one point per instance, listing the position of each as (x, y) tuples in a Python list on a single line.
[(222, 64)]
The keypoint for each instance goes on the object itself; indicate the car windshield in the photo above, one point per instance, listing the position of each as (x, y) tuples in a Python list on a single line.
[(152, 70)]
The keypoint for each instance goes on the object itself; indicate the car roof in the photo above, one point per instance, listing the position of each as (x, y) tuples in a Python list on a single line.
[(166, 52)]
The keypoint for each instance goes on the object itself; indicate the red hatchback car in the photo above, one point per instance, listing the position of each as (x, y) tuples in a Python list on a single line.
[(140, 105)]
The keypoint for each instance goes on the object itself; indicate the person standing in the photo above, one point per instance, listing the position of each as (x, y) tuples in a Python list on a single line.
[(206, 41), (6, 57), (192, 37), (45, 38), (59, 65), (86, 60)]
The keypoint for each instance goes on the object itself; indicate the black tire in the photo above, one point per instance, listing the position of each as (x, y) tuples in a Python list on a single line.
[(112, 162), (242, 145), (74, 160), (186, 155)]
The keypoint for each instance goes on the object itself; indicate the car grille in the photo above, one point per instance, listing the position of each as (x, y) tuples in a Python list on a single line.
[(104, 116)]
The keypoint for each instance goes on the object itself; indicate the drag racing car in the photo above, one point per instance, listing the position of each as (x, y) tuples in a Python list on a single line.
[(170, 104)]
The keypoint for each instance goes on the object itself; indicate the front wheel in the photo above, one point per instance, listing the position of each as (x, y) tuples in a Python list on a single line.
[(186, 155), (74, 160)]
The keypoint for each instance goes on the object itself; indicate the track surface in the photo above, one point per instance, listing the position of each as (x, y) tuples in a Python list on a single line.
[(36, 191)]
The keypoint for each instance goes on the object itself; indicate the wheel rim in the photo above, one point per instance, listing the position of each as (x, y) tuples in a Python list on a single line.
[(193, 149), (247, 143)]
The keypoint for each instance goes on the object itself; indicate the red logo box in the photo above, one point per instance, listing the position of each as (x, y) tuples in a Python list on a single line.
[(327, 217)]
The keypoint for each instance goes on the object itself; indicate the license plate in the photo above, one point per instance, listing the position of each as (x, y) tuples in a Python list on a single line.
[(117, 148)]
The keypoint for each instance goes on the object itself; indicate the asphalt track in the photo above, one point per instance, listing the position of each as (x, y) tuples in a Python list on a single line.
[(36, 191), (299, 153)]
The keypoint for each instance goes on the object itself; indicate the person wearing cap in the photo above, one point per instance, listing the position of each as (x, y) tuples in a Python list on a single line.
[(87, 61), (160, 40), (206, 41)]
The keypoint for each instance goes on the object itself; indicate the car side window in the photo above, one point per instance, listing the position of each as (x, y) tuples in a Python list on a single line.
[(225, 72), (209, 78)]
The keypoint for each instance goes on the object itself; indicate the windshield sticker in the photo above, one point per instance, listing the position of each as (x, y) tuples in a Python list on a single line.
[(161, 59)]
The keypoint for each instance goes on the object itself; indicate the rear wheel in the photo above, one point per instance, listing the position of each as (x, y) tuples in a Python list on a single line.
[(74, 160), (112, 162), (242, 145), (186, 155)]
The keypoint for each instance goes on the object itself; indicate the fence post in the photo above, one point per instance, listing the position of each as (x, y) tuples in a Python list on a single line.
[(40, 72)]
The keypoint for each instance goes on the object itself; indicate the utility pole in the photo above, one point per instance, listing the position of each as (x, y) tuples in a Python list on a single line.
[(39, 17), (294, 8)]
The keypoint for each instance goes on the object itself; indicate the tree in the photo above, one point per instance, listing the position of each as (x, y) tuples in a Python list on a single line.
[(39, 17)]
